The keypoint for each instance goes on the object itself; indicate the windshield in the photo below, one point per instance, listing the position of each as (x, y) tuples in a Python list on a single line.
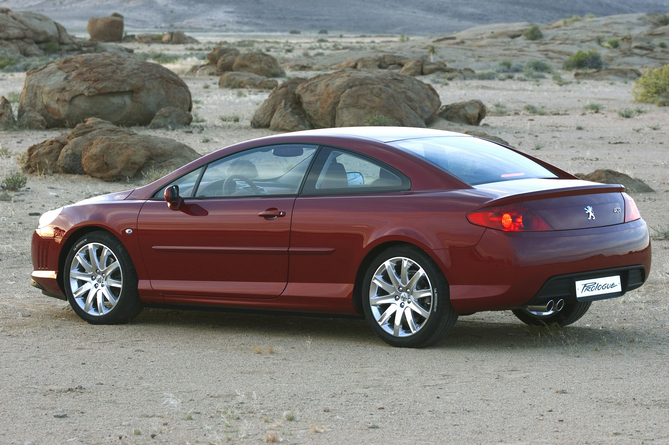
[(474, 161)]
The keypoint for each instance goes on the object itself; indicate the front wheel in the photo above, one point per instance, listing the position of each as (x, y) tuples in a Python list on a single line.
[(406, 300), (570, 313), (100, 280)]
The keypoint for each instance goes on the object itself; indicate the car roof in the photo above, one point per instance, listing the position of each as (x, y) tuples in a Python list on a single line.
[(380, 134)]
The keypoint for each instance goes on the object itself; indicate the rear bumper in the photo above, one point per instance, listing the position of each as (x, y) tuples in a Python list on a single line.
[(509, 270), (564, 286)]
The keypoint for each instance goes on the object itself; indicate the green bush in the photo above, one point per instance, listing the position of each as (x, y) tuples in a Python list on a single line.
[(653, 87), (294, 31), (158, 57), (613, 43), (8, 61), (537, 66), (51, 47), (533, 33), (533, 109), (662, 45), (574, 18), (582, 59), (323, 31), (486, 75), (14, 181), (626, 113), (378, 120)]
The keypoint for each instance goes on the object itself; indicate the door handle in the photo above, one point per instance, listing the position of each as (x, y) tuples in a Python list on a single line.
[(272, 213)]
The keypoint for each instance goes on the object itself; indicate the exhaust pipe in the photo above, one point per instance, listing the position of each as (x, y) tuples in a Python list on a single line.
[(548, 307), (559, 305)]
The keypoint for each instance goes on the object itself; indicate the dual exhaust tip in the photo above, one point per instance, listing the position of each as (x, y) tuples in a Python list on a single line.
[(550, 306)]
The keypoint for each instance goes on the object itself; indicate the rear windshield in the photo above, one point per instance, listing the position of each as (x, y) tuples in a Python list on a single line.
[(474, 161)]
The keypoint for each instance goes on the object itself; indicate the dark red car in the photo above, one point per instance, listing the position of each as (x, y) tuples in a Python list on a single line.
[(408, 227)]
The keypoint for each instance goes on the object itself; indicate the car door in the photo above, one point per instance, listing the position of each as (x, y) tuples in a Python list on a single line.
[(230, 236), (346, 198)]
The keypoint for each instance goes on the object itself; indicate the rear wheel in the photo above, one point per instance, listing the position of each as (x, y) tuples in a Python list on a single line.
[(100, 280), (570, 313), (405, 298)]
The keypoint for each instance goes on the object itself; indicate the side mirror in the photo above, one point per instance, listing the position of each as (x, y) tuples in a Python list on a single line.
[(172, 197)]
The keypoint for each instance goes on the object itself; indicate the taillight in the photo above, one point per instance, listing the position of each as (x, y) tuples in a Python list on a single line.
[(631, 210), (511, 218)]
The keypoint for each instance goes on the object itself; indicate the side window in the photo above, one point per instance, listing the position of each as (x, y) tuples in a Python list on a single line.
[(186, 184), (271, 170), (345, 172)]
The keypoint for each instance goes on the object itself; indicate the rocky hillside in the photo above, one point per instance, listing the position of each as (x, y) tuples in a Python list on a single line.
[(419, 17)]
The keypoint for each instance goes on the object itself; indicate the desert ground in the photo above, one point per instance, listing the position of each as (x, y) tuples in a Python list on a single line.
[(211, 377)]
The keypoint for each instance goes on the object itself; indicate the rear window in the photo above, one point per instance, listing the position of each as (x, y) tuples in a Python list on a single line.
[(474, 161)]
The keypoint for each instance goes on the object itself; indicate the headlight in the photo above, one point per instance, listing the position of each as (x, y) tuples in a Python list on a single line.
[(48, 217)]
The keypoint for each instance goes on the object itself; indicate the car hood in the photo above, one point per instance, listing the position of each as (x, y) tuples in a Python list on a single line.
[(110, 197)]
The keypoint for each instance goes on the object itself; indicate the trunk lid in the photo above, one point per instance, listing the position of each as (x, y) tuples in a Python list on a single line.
[(565, 204)]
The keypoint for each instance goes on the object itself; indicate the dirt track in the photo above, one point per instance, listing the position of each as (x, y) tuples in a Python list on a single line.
[(217, 377)]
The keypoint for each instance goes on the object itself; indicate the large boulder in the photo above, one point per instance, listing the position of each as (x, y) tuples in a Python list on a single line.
[(258, 63), (262, 118), (25, 33), (348, 98), (471, 112), (106, 29), (178, 38), (234, 79), (607, 176), (171, 118), (7, 121), (102, 150), (122, 90), (351, 97)]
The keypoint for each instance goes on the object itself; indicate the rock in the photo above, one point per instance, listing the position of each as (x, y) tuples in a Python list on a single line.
[(606, 176), (482, 135), (217, 53), (413, 67), (350, 63), (170, 117), (206, 71), (609, 74), (227, 60), (388, 60), (31, 120), (27, 34), (37, 28), (7, 120), (43, 157), (289, 117), (497, 30), (234, 79), (122, 90), (350, 97), (178, 38), (149, 38), (106, 29), (434, 67), (258, 63), (262, 118), (367, 63), (470, 113), (102, 150)]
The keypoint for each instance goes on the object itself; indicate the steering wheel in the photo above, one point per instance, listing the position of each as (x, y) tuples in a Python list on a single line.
[(230, 185)]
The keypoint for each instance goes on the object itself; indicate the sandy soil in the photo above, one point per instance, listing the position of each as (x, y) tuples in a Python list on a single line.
[(178, 376)]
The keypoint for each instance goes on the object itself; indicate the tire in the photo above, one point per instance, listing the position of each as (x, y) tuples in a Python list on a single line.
[(100, 280), (570, 313), (404, 280)]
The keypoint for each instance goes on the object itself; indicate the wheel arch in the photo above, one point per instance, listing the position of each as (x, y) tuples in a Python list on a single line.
[(369, 257), (69, 242)]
